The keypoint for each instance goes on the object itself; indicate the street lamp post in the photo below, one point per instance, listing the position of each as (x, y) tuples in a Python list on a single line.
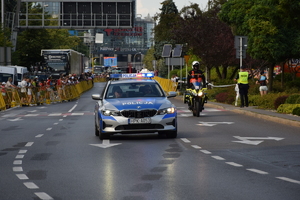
[(134, 61)]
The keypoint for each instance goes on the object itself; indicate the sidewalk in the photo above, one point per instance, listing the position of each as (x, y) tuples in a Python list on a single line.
[(271, 115)]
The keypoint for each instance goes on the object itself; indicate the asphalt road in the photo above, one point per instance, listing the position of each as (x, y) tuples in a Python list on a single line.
[(51, 152)]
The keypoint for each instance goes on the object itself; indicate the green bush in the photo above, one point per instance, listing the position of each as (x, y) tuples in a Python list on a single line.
[(296, 111), (287, 108), (292, 99)]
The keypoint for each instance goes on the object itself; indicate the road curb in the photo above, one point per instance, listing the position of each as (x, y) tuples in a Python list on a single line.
[(288, 122)]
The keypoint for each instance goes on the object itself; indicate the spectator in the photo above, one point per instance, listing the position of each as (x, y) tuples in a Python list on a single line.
[(23, 90), (174, 80), (262, 80), (237, 94), (9, 85), (29, 91)]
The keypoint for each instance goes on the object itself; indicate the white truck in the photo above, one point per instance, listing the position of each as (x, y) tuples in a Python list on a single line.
[(22, 72), (63, 61), (6, 72)]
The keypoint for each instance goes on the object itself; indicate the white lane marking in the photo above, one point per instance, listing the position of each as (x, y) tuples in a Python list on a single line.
[(22, 151), (257, 171), (185, 115), (196, 146), (288, 180), (218, 158), (29, 144), (185, 140), (213, 123), (43, 195), (212, 110), (72, 108), (17, 119), (60, 120), (19, 156), (17, 169), (55, 114), (39, 135), (22, 176), (205, 151), (234, 164), (17, 162), (55, 123), (65, 115), (77, 114), (31, 115), (31, 185), (9, 115), (48, 129)]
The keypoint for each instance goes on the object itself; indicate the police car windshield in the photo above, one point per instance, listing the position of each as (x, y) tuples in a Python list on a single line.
[(132, 90)]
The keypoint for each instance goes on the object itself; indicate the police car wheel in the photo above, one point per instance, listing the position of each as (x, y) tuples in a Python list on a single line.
[(96, 130)]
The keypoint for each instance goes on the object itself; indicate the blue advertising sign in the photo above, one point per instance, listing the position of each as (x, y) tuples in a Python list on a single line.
[(110, 62)]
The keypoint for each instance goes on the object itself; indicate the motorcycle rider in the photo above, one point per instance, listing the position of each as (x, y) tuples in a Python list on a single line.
[(195, 75)]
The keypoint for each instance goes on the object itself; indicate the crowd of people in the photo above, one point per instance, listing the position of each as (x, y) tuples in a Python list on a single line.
[(35, 90)]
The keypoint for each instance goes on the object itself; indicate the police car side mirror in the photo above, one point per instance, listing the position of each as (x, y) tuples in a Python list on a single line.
[(172, 94), (97, 97)]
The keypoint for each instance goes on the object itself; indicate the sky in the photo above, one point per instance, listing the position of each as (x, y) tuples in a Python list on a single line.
[(145, 7)]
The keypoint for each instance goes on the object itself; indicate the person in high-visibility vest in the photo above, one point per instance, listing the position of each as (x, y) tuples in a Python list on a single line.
[(242, 79), (196, 75)]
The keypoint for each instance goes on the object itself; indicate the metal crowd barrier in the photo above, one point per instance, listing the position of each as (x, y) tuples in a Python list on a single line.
[(166, 84), (41, 95)]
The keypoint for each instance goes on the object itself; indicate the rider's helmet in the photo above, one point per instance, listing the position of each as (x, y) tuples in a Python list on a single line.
[(196, 65)]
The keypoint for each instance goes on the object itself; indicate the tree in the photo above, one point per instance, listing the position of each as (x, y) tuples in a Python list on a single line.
[(148, 59), (166, 21), (271, 26), (207, 37)]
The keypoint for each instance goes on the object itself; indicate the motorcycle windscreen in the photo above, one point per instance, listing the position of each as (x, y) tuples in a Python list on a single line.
[(197, 85)]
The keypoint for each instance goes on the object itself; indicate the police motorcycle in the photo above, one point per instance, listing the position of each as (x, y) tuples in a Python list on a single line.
[(195, 97)]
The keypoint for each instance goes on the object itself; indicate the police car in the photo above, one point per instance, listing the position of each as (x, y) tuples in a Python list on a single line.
[(131, 105)]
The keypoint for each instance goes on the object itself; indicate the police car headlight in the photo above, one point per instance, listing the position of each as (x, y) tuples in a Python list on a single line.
[(200, 94), (111, 112), (166, 111)]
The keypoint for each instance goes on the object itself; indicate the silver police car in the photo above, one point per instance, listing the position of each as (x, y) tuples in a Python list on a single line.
[(134, 106)]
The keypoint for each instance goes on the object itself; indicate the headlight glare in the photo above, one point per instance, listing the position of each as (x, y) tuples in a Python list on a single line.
[(166, 111), (111, 112), (200, 94)]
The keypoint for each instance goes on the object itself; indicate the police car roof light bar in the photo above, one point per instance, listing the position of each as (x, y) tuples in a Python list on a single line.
[(133, 75)]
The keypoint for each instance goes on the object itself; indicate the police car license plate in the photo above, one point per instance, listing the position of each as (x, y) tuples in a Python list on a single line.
[(140, 121)]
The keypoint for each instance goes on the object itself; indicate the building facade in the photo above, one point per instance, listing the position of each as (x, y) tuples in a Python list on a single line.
[(128, 45)]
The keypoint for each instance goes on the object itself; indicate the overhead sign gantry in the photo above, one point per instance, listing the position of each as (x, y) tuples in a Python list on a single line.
[(76, 14)]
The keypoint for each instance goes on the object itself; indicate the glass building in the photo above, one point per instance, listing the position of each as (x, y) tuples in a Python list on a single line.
[(128, 45)]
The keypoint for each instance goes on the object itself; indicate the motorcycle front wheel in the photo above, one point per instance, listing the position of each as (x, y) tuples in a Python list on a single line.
[(197, 107)]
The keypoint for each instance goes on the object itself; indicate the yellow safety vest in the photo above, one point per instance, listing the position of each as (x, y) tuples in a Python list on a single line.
[(243, 77)]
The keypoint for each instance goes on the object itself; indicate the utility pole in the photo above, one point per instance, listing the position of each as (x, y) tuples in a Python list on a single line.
[(14, 27), (2, 14)]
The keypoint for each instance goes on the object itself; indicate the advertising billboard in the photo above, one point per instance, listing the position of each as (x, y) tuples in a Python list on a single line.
[(110, 62)]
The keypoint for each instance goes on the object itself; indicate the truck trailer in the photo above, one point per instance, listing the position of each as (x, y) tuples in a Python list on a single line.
[(63, 61)]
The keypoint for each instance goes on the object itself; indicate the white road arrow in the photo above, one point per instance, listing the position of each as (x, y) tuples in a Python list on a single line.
[(105, 144), (258, 140), (212, 123), (16, 119)]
